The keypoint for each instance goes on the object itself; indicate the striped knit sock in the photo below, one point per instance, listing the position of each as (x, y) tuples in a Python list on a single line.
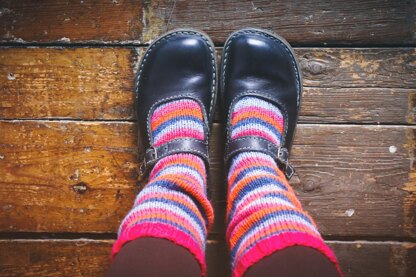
[(263, 212), (173, 205)]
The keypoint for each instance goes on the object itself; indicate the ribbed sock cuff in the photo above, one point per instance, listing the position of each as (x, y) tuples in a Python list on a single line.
[(274, 243), (163, 231)]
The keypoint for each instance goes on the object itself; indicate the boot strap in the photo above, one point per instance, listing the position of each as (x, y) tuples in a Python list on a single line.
[(183, 145), (257, 144)]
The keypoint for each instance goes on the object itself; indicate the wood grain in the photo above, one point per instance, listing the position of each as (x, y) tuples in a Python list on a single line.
[(66, 176), (81, 177), (340, 85), (79, 83), (301, 22), (68, 140), (70, 21), (353, 180), (350, 172), (54, 257), (91, 258), (364, 258), (358, 85)]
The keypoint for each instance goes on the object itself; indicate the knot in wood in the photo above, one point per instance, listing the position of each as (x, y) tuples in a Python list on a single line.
[(314, 67), (80, 188), (310, 185)]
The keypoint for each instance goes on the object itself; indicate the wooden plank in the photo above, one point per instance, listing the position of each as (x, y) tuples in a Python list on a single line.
[(79, 83), (54, 257), (358, 85), (348, 172), (340, 85), (81, 176), (364, 258), (91, 258), (300, 22), (353, 180), (70, 21)]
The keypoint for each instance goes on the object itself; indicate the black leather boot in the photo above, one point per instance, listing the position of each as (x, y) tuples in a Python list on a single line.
[(180, 64), (261, 64)]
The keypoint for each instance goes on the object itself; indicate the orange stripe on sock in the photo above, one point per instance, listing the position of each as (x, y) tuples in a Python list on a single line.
[(274, 229), (180, 200), (242, 184), (151, 214), (255, 217), (255, 114), (175, 113), (189, 161), (194, 193), (253, 163)]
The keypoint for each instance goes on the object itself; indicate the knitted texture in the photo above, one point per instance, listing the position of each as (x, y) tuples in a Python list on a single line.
[(177, 119), (255, 117), (173, 205), (263, 212)]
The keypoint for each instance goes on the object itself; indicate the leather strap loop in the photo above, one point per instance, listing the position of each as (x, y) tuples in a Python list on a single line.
[(191, 146), (257, 144), (244, 144)]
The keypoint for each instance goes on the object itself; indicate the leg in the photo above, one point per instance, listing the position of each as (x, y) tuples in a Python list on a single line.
[(154, 257), (172, 206), (164, 234), (269, 233), (268, 230), (287, 261)]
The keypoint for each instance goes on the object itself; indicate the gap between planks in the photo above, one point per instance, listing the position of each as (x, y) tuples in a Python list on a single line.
[(127, 121), (129, 44), (389, 242), (67, 236)]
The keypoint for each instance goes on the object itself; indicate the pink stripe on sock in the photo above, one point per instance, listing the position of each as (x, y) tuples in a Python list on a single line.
[(278, 119), (177, 159), (172, 106), (182, 133), (169, 214), (300, 227), (253, 132), (242, 215)]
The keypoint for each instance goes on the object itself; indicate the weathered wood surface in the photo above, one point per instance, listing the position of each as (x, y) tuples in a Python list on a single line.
[(91, 258), (340, 85), (79, 83), (358, 85), (364, 258), (62, 176), (302, 22), (80, 177), (68, 21), (354, 180), (54, 257)]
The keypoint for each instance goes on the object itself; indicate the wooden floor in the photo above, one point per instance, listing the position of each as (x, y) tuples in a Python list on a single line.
[(68, 147)]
